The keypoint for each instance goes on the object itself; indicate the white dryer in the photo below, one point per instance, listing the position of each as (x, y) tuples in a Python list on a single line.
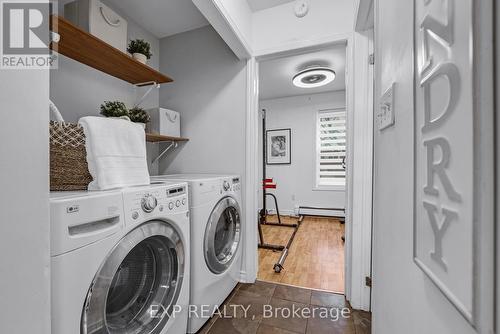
[(215, 204), (120, 261)]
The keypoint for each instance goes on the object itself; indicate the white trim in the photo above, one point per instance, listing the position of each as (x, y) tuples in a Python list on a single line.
[(291, 213), (221, 21), (354, 286), (308, 212), (250, 259), (320, 212), (349, 163), (354, 283), (329, 188), (296, 47), (361, 151)]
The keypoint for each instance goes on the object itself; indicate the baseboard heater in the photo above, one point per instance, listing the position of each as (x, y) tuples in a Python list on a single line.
[(315, 211)]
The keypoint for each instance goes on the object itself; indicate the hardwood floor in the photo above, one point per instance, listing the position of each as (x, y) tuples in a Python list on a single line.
[(316, 258)]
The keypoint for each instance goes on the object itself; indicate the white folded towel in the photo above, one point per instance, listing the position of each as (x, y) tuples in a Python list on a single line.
[(116, 152)]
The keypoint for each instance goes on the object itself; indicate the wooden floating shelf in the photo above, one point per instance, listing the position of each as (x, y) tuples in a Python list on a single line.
[(85, 48), (155, 138)]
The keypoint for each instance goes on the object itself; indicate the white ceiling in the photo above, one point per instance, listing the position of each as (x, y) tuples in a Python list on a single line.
[(276, 75), (256, 5), (162, 18)]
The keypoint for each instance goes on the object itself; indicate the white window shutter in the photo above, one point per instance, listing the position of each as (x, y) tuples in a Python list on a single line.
[(331, 149)]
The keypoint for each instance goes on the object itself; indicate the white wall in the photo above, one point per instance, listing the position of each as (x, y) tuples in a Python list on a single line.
[(209, 92), (79, 90), (24, 209), (404, 300), (278, 27), (296, 181)]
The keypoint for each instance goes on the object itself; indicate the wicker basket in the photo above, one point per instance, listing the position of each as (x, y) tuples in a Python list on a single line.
[(68, 156)]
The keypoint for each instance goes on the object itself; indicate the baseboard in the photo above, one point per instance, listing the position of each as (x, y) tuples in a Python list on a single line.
[(309, 212), (320, 212), (282, 212)]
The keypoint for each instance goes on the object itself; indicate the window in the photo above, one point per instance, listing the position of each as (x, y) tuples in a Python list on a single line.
[(330, 149)]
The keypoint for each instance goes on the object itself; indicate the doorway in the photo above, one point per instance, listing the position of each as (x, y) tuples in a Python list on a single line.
[(302, 150)]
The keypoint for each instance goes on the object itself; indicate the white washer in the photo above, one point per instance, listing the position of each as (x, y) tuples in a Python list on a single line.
[(120, 261), (215, 204)]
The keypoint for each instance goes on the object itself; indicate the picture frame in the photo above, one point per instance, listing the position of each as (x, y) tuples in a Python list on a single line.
[(279, 147)]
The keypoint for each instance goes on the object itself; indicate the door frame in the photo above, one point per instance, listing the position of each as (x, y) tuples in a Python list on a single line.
[(355, 280)]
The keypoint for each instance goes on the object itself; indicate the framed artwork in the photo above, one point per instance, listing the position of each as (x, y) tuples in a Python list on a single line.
[(279, 147)]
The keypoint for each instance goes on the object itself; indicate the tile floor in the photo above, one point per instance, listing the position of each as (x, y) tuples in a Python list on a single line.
[(281, 297)]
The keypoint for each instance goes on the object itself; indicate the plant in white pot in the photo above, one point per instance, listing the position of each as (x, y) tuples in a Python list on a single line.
[(139, 115), (140, 50)]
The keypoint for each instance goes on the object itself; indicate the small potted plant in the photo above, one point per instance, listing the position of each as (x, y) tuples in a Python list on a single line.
[(114, 109), (140, 50), (139, 115)]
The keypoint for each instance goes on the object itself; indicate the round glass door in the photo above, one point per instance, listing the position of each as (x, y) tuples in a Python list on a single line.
[(138, 284), (222, 236)]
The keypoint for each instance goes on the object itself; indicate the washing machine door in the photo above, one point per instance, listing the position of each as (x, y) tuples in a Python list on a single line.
[(222, 235), (138, 284)]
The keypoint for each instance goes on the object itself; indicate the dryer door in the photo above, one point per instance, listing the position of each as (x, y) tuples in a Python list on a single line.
[(222, 235), (138, 284)]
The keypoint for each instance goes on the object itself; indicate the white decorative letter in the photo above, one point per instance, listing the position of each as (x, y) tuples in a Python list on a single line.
[(438, 168), (437, 254), (444, 32), (451, 73)]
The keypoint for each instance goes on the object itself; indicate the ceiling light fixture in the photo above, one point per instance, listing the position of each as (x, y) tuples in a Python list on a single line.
[(314, 77)]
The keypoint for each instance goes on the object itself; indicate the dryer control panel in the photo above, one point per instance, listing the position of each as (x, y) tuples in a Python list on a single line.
[(155, 202), (231, 185), (236, 184)]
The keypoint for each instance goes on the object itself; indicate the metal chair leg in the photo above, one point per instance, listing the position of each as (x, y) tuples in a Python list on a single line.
[(279, 223)]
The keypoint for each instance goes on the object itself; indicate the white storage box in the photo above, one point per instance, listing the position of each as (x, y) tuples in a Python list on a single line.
[(99, 20), (165, 122)]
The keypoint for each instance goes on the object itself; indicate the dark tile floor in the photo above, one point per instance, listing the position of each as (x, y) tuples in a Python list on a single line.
[(263, 308)]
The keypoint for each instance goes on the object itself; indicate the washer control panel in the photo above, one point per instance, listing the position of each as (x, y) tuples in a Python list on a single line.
[(152, 202)]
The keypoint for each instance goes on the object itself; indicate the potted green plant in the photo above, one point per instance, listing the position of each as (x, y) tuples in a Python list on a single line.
[(139, 115), (114, 109), (140, 50)]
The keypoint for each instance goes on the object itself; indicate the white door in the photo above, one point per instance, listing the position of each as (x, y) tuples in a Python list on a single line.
[(434, 199)]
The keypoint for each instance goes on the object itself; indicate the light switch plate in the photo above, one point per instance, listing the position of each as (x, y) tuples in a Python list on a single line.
[(385, 114)]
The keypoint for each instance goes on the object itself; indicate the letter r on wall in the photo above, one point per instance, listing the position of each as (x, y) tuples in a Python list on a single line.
[(439, 168)]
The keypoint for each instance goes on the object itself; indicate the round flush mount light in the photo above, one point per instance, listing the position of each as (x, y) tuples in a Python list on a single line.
[(314, 77)]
